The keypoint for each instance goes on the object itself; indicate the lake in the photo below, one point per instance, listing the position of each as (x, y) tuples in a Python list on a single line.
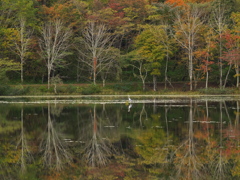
[(98, 137)]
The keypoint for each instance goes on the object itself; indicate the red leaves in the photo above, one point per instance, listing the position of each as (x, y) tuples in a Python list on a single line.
[(184, 2), (231, 54)]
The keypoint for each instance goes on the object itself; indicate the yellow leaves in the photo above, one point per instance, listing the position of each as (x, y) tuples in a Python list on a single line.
[(236, 75), (10, 34), (8, 65)]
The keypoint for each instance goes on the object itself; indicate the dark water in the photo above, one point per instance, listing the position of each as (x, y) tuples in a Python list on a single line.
[(184, 139)]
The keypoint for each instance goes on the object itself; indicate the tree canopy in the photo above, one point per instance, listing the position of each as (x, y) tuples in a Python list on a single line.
[(137, 27)]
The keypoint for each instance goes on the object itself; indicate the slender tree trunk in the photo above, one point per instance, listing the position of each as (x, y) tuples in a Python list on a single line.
[(55, 88), (207, 73), (166, 70), (94, 70), (237, 72), (78, 71), (207, 77), (190, 68), (104, 82), (49, 77), (237, 115), (21, 71), (143, 84), (154, 83), (226, 78), (220, 63)]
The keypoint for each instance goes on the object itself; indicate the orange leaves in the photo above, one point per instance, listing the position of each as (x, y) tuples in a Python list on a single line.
[(135, 9), (176, 2), (67, 12), (184, 2)]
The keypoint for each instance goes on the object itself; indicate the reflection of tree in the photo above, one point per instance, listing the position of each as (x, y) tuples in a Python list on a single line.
[(98, 149), (220, 162), (236, 155), (54, 150), (143, 111), (187, 162), (9, 155), (22, 143), (152, 144)]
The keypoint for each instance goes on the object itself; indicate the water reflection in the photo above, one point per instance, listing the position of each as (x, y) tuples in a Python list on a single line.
[(188, 163), (25, 153), (168, 140), (98, 147), (55, 150)]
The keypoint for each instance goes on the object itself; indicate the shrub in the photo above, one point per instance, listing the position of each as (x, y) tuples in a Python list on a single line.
[(43, 89), (72, 89), (216, 91), (4, 89), (19, 90), (62, 89), (91, 89), (126, 87)]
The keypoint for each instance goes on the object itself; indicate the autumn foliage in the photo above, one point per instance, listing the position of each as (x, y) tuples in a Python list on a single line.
[(184, 2)]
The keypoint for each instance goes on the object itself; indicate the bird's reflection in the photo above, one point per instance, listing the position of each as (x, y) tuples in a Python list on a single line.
[(129, 107)]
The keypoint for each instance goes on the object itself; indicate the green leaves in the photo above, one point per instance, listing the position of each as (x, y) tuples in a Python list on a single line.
[(8, 65), (150, 48)]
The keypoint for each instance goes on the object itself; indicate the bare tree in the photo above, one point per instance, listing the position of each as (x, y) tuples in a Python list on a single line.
[(22, 42), (219, 24), (98, 43), (54, 44), (109, 63), (187, 25)]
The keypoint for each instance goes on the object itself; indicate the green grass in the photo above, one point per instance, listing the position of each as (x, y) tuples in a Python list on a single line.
[(112, 89)]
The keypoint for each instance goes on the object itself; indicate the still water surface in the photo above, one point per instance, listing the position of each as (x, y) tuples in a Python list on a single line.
[(184, 138)]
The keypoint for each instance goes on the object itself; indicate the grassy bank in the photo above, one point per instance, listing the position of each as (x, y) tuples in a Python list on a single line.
[(111, 89)]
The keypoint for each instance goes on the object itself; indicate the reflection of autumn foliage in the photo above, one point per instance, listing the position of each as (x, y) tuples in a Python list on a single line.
[(189, 162), (232, 137), (151, 146)]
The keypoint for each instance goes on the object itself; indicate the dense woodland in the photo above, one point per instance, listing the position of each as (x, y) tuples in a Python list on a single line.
[(106, 41)]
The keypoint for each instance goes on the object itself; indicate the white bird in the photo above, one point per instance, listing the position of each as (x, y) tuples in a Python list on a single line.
[(129, 99)]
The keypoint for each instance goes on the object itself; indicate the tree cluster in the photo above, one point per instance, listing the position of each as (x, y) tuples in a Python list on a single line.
[(128, 40)]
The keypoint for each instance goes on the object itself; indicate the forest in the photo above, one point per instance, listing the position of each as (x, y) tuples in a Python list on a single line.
[(143, 42)]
